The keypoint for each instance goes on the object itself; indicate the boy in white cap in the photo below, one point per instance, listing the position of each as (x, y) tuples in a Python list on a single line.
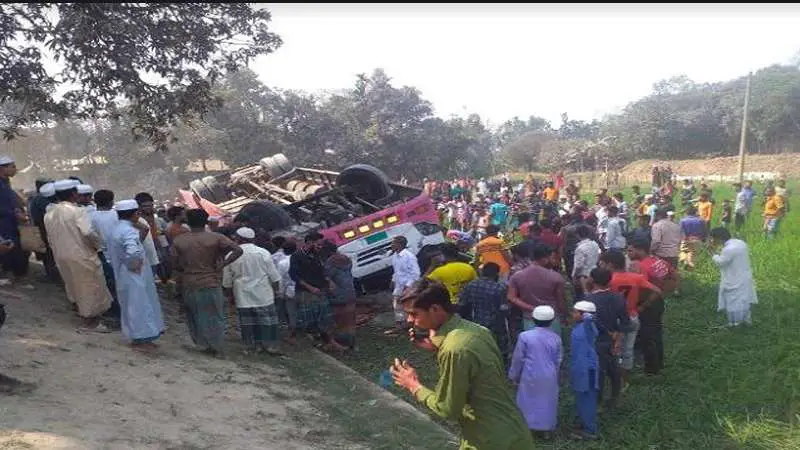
[(85, 195), (534, 369), (584, 369), (252, 281)]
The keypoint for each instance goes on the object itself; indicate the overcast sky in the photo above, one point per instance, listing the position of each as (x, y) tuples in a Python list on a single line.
[(506, 60)]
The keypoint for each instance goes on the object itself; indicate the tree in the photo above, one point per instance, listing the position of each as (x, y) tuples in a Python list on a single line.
[(155, 62)]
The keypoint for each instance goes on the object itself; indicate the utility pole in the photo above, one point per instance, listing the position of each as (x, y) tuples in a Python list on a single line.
[(743, 138)]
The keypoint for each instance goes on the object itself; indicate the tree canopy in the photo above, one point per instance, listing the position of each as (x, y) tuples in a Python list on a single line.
[(178, 71), (154, 62)]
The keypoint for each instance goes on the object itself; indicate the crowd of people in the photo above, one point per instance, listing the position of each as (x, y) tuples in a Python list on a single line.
[(531, 261), (529, 266), (113, 258)]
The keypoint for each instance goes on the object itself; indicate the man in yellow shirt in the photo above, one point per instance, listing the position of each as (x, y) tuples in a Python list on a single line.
[(453, 273), (490, 250), (705, 209), (550, 192), (774, 209)]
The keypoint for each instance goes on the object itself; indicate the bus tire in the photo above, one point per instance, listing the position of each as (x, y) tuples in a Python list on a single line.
[(200, 188), (217, 190), (283, 162), (266, 215), (366, 181)]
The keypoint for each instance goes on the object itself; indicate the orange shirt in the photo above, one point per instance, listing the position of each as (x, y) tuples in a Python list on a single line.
[(490, 249), (774, 206), (704, 210), (630, 285), (551, 194)]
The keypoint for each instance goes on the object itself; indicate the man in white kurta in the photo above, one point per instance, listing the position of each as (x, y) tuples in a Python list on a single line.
[(75, 245), (141, 317), (406, 272), (737, 291)]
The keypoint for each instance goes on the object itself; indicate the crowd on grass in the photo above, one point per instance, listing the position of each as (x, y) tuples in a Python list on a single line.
[(528, 267)]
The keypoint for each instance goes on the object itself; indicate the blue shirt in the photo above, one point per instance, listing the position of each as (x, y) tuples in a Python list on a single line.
[(583, 371), (748, 196), (693, 226), (9, 203), (499, 213)]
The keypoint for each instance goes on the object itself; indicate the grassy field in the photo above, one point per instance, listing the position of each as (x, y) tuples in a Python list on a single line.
[(721, 389)]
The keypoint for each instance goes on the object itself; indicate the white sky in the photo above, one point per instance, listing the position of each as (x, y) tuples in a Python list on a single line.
[(504, 60)]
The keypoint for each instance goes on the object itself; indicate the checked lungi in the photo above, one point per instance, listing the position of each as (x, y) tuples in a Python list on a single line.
[(259, 325), (313, 312)]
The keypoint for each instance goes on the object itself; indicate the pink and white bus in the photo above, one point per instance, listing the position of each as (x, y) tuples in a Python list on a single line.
[(358, 209)]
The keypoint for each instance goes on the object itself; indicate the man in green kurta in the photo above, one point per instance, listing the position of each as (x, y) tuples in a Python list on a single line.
[(472, 388)]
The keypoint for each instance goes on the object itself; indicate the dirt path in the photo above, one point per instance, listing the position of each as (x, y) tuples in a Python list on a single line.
[(93, 392)]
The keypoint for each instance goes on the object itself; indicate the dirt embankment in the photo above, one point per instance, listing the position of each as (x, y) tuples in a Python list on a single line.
[(787, 164)]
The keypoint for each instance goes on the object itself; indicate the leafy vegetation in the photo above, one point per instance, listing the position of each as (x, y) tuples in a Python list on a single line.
[(155, 63), (394, 128), (721, 389)]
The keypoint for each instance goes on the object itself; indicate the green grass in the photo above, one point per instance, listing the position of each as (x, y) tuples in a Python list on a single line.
[(721, 389)]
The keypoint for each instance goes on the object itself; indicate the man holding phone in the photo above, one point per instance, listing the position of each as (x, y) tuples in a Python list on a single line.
[(472, 388)]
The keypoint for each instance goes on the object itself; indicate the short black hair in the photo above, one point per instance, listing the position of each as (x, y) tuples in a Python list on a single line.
[(278, 241), (641, 244), (196, 218), (600, 276), (490, 270), (103, 198), (661, 213), (402, 240), (615, 259), (542, 250), (426, 293), (721, 233), (126, 215), (64, 196), (584, 232), (612, 210), (449, 250), (174, 211), (492, 230), (618, 196), (314, 236), (289, 247), (143, 197)]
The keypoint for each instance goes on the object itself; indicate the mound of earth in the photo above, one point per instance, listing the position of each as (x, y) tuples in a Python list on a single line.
[(787, 164)]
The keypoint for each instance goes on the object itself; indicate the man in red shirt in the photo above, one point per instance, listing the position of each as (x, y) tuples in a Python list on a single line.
[(657, 271), (645, 308)]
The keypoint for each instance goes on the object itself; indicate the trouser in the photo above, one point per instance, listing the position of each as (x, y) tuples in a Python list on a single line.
[(399, 311), (608, 368), (652, 339), (287, 311), (569, 262), (16, 261), (586, 406), (738, 220), (108, 273)]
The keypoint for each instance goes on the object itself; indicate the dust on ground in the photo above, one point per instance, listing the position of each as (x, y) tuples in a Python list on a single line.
[(94, 392)]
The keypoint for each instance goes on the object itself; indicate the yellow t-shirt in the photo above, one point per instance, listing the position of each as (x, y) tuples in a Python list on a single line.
[(490, 249), (454, 276), (551, 194), (704, 210), (773, 206)]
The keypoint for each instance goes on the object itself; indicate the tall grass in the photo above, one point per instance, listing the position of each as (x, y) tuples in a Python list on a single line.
[(721, 388)]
